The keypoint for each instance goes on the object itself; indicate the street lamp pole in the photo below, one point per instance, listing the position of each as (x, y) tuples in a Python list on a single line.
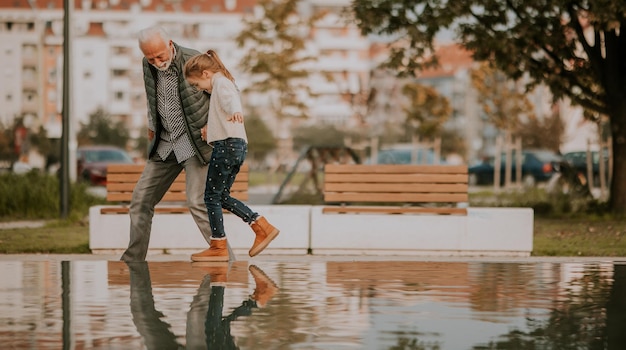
[(64, 178)]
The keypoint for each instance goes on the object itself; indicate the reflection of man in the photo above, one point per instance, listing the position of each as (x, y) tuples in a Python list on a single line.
[(176, 114), (156, 333), (217, 328), (206, 328)]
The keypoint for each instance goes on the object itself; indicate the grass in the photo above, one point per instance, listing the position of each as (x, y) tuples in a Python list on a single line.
[(579, 237), (54, 238), (553, 237)]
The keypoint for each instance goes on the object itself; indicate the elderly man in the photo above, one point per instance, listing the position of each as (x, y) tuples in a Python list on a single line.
[(176, 115)]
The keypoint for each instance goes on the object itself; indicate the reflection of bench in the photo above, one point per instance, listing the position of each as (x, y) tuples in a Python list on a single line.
[(397, 209), (363, 188), (122, 178), (173, 228)]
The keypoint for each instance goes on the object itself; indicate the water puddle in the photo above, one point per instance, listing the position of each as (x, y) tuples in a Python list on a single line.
[(312, 305)]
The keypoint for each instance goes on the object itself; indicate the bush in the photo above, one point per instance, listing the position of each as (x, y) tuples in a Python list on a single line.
[(545, 204), (36, 196)]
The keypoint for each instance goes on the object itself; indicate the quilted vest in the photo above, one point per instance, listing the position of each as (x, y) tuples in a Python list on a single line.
[(195, 104)]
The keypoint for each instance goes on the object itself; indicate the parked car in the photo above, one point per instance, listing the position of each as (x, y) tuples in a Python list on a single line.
[(92, 162), (405, 156), (537, 166), (578, 161)]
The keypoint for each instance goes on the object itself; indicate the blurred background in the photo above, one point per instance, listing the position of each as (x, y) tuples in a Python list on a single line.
[(332, 96)]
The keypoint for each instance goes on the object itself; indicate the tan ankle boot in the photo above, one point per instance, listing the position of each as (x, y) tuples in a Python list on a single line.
[(265, 233), (265, 287), (218, 251), (218, 271)]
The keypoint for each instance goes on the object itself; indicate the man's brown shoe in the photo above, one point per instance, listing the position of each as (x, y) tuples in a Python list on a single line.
[(265, 233), (218, 251), (265, 287)]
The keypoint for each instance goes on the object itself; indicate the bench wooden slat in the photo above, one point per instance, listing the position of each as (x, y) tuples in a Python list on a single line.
[(158, 209), (396, 197), (394, 210), (396, 169), (395, 178), (395, 188), (124, 168), (168, 197), (122, 187), (134, 177)]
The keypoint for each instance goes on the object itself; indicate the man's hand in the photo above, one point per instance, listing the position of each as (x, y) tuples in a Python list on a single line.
[(203, 134), (150, 135), (237, 117)]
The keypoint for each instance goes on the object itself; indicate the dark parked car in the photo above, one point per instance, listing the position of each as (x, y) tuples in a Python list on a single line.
[(92, 162), (537, 166), (405, 156), (578, 161)]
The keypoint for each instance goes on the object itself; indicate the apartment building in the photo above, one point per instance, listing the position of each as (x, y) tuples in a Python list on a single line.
[(105, 62)]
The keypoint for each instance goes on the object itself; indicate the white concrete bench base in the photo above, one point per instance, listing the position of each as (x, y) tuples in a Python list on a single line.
[(305, 229), (178, 233), (483, 232)]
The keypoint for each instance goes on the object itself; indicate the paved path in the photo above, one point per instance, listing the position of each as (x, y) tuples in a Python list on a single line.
[(317, 258), (22, 224)]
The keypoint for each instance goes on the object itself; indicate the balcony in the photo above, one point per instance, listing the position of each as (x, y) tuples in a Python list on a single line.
[(29, 84), (30, 106), (121, 62)]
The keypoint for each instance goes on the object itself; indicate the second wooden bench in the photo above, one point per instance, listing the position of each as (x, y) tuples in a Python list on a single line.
[(396, 189)]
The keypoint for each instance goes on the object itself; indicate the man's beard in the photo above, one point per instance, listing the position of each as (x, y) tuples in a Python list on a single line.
[(164, 66)]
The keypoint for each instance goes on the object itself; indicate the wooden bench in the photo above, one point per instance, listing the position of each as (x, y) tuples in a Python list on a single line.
[(122, 178), (395, 189)]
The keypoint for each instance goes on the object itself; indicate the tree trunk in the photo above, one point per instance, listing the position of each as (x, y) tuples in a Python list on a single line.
[(617, 199)]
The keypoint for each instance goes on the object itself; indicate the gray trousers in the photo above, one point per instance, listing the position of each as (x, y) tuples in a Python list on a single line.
[(156, 179)]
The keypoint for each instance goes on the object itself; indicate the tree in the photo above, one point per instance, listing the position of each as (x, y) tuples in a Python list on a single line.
[(275, 41), (102, 130), (500, 98), (325, 135), (7, 149), (275, 38), (260, 138), (546, 132), (572, 46), (427, 110)]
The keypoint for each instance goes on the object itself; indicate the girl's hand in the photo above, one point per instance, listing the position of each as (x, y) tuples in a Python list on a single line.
[(237, 117)]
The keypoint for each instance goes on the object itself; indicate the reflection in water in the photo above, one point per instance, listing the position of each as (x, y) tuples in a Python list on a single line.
[(206, 327), (320, 305), (155, 332)]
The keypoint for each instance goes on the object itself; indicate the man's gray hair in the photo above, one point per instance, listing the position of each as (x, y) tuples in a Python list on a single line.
[(150, 33)]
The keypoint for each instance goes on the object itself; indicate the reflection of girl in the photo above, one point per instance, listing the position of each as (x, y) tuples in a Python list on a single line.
[(205, 323), (226, 133)]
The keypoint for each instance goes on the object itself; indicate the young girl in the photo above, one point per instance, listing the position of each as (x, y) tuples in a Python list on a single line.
[(225, 131)]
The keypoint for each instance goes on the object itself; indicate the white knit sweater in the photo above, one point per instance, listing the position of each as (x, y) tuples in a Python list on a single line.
[(225, 101)]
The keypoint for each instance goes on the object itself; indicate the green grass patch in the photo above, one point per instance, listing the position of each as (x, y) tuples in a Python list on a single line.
[(579, 237), (62, 237)]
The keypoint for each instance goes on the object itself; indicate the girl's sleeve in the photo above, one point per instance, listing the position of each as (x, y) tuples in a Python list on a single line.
[(229, 97)]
